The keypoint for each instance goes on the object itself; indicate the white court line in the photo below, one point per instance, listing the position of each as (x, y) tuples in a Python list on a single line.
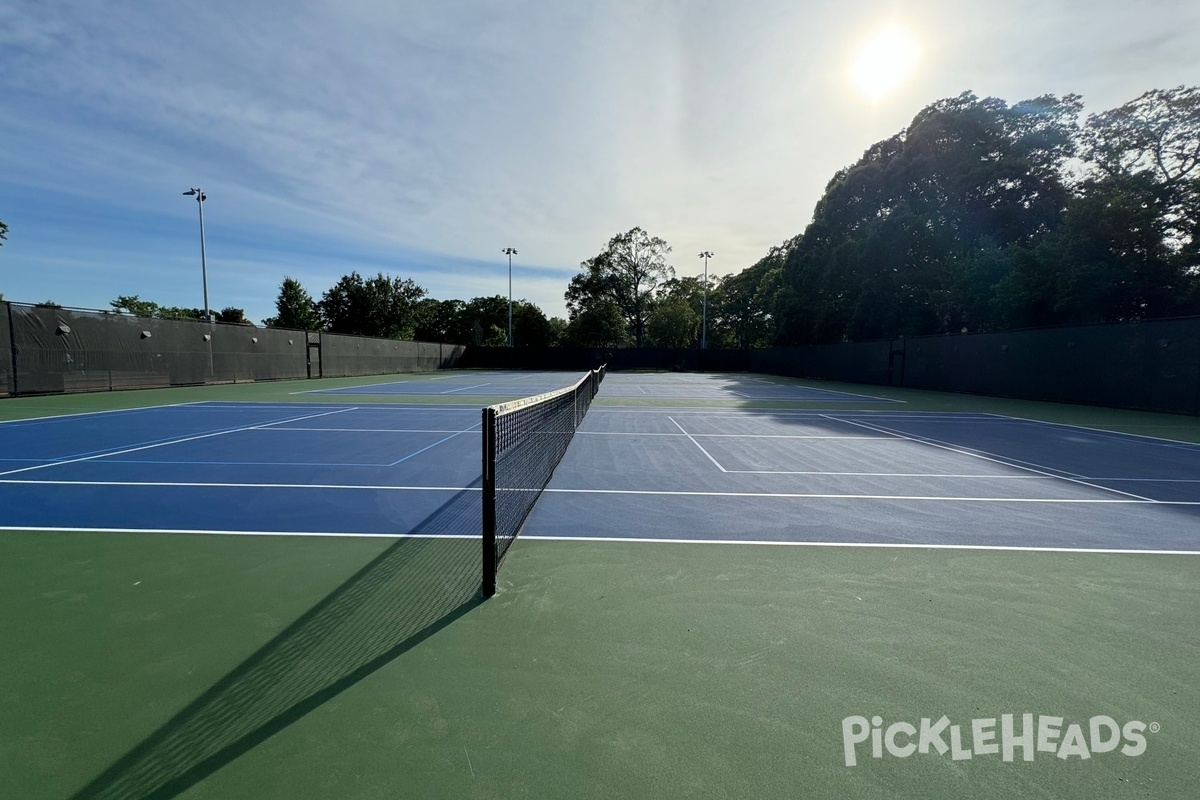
[(213, 485), (623, 540), (1132, 500), (430, 447), (50, 417), (204, 532), (340, 388), (642, 389), (367, 430), (1148, 480), (1159, 440), (1014, 463), (702, 450), (735, 435), (756, 413), (864, 545), (170, 442), (894, 475), (463, 389)]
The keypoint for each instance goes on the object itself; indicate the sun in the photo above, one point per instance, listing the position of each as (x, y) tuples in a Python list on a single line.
[(884, 61)]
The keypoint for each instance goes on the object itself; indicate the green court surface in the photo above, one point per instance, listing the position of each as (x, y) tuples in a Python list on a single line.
[(169, 665)]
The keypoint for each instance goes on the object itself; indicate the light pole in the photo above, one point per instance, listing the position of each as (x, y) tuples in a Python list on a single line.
[(510, 253), (200, 198), (706, 255)]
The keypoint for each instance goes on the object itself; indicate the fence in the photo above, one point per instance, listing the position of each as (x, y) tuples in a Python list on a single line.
[(48, 349), (623, 358), (1152, 366)]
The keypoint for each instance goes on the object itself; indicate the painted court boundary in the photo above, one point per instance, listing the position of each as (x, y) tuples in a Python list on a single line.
[(628, 540)]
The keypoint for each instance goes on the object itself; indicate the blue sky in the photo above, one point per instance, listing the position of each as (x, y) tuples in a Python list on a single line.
[(421, 138)]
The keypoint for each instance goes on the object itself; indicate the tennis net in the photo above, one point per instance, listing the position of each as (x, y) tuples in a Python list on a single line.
[(523, 441)]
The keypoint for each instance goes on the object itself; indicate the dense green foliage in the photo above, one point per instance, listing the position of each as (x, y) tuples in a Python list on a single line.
[(982, 216), (132, 304), (294, 308)]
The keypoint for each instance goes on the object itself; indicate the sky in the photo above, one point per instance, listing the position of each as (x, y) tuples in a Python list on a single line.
[(422, 138)]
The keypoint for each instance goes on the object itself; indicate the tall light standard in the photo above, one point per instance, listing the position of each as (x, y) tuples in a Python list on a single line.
[(200, 198), (510, 253), (706, 255)]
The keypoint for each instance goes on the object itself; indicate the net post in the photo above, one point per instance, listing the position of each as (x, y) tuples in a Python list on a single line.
[(489, 502)]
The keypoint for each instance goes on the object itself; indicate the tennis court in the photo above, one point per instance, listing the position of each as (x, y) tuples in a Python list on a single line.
[(701, 597), (241, 467)]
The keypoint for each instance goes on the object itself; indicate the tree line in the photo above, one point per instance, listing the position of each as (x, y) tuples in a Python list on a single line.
[(977, 216), (625, 296)]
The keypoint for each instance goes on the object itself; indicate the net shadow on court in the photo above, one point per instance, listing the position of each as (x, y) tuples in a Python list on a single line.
[(412, 590)]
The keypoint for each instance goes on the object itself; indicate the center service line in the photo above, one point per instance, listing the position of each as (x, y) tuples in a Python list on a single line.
[(702, 450)]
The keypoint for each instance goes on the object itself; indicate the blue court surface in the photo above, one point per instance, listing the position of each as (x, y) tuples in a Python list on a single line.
[(777, 476), (733, 387), (863, 477), (241, 467)]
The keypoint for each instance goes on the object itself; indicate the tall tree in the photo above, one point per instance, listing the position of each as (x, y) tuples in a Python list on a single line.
[(382, 306), (673, 323), (1152, 145), (892, 235), (486, 319), (558, 331), (744, 302), (441, 321), (600, 325), (294, 308), (530, 326), (626, 274)]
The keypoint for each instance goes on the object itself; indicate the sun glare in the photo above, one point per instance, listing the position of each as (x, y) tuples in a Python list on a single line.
[(884, 61)]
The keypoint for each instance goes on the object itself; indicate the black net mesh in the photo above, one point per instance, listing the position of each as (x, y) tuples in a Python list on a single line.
[(523, 441)]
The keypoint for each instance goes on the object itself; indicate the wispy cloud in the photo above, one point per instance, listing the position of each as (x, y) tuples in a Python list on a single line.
[(417, 137)]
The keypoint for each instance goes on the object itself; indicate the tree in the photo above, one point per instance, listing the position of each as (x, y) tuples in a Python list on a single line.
[(132, 304), (530, 326), (744, 302), (177, 312), (625, 274), (487, 321), (3, 232), (294, 308), (232, 316), (897, 233), (600, 325), (1154, 141), (558, 331), (382, 306), (442, 321), (673, 323)]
